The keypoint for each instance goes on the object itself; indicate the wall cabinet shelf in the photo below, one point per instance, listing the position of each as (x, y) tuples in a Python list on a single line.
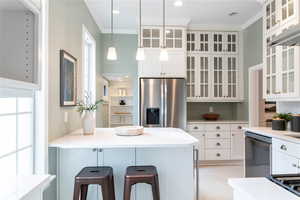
[(19, 39), (280, 63)]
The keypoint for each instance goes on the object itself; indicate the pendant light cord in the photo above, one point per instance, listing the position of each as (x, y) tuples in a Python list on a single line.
[(140, 23), (112, 21), (164, 23)]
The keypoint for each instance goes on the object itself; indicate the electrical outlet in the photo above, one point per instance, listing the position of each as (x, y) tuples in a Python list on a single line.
[(211, 109), (66, 117)]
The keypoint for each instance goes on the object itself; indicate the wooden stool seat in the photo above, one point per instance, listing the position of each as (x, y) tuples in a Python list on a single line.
[(102, 176), (141, 174)]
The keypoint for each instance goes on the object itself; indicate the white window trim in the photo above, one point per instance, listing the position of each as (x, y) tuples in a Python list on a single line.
[(85, 33)]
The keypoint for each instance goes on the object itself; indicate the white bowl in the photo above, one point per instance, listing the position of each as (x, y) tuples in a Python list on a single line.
[(129, 130)]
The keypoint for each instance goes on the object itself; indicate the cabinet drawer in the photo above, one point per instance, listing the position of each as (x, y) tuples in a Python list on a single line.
[(286, 147), (218, 135), (217, 154), (217, 127), (195, 127), (217, 144), (237, 127)]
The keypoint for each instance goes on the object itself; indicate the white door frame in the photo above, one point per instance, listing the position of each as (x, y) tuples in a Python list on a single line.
[(253, 95)]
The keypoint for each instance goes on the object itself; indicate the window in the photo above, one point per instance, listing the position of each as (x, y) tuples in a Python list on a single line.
[(17, 131), (89, 67)]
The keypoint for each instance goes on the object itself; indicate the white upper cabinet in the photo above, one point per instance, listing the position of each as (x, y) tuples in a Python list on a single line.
[(175, 67), (152, 37), (280, 63), (213, 68)]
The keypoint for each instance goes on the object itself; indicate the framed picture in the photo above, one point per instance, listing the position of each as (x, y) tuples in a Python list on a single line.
[(68, 79)]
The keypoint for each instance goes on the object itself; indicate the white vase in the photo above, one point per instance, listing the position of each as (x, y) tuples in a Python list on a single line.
[(88, 123)]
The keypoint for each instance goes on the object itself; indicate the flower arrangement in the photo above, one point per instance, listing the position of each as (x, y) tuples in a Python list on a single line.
[(87, 105)]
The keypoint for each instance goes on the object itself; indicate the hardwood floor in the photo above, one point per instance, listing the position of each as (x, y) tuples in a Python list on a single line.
[(213, 181)]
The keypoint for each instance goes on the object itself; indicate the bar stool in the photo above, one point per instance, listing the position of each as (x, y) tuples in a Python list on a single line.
[(141, 174), (94, 175)]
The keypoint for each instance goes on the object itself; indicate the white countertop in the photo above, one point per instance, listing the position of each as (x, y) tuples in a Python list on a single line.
[(18, 187), (261, 189), (284, 135), (106, 138), (217, 122)]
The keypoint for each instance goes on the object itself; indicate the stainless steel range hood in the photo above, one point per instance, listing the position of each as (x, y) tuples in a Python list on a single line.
[(289, 37)]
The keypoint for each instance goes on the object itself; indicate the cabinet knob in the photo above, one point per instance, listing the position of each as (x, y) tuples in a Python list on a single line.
[(195, 127), (94, 150), (218, 135), (239, 127), (218, 154), (218, 127), (218, 144), (283, 147), (100, 150), (294, 165), (203, 134)]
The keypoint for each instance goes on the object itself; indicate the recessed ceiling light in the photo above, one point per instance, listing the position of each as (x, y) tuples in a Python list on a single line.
[(116, 12), (233, 14), (178, 3)]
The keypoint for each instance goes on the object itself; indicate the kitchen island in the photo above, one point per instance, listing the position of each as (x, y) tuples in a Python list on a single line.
[(169, 149)]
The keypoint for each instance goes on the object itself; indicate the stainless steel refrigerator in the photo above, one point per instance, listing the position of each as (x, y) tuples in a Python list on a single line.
[(163, 102)]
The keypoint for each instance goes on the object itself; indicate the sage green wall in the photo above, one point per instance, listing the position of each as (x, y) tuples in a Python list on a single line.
[(126, 45), (66, 18), (253, 55)]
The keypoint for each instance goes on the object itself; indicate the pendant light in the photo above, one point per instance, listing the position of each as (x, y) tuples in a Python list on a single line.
[(140, 54), (112, 52), (163, 52)]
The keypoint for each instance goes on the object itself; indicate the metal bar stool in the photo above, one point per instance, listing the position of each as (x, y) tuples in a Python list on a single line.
[(102, 176), (141, 174)]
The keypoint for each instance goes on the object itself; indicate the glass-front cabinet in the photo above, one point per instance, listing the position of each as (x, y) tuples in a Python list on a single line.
[(152, 37), (280, 71), (213, 66)]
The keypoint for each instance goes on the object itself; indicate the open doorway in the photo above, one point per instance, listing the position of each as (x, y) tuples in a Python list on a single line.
[(260, 110)]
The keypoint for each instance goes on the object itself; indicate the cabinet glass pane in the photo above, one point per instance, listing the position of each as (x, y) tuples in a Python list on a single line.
[(273, 64), (268, 65), (284, 83), (284, 13), (178, 43), (178, 33), (291, 58), (291, 8), (169, 43), (169, 33), (291, 82), (268, 10), (146, 33), (147, 43), (268, 85), (155, 43), (155, 33), (273, 84), (284, 60)]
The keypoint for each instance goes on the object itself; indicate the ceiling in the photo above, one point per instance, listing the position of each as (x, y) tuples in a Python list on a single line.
[(11, 5), (195, 13)]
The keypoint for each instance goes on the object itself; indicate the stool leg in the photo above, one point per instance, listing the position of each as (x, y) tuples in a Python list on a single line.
[(105, 190), (127, 190), (112, 188), (76, 191), (84, 191), (155, 189)]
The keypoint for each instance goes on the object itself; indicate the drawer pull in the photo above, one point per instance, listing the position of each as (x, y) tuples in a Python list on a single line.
[(94, 150), (218, 144), (218, 154), (218, 135), (283, 147), (195, 127), (239, 127), (218, 127)]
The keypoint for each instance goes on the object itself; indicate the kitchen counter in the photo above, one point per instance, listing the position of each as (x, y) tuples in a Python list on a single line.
[(284, 135), (259, 189), (106, 138), (24, 187), (170, 150), (217, 122)]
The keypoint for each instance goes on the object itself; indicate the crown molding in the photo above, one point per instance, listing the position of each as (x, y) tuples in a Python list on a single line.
[(214, 27), (120, 31), (252, 20)]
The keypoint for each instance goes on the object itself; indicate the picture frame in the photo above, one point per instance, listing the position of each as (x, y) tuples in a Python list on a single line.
[(68, 79)]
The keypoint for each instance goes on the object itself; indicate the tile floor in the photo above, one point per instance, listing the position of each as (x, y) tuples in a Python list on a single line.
[(213, 181)]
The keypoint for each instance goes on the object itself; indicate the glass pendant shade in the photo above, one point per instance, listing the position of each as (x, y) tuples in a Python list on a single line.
[(112, 54), (164, 56), (140, 54)]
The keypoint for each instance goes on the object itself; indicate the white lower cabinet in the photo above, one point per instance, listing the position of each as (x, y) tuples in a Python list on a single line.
[(285, 157), (219, 141)]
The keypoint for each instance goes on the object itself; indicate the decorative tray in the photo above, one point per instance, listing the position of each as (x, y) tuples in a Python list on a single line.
[(129, 130)]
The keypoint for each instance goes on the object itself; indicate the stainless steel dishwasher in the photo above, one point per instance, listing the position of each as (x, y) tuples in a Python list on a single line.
[(258, 155)]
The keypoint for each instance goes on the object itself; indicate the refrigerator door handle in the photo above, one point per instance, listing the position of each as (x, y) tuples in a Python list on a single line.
[(162, 108), (196, 161)]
